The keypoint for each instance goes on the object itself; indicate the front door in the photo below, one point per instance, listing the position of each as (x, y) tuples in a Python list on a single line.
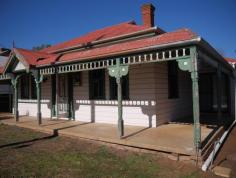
[(63, 96)]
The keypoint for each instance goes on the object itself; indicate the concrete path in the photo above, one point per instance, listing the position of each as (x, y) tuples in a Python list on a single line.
[(173, 138)]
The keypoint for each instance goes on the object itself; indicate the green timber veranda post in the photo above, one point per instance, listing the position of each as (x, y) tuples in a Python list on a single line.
[(53, 95), (195, 93), (57, 94), (14, 81), (190, 64), (38, 79), (70, 96), (120, 109), (118, 71)]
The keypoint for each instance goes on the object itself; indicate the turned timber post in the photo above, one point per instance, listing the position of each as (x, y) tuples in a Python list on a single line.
[(195, 90), (57, 95), (38, 79), (14, 81), (191, 65), (118, 71), (120, 109)]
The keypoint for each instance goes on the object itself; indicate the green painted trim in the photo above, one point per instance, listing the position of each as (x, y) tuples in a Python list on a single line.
[(118, 71), (185, 64), (14, 82), (195, 94), (38, 80), (190, 64), (70, 97), (53, 96)]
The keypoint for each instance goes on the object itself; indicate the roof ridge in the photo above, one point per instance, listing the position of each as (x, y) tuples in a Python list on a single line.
[(130, 22), (87, 35)]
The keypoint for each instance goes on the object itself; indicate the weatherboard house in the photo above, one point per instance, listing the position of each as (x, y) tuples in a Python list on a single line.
[(126, 74)]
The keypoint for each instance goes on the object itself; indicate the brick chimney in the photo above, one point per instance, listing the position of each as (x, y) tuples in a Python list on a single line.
[(148, 15)]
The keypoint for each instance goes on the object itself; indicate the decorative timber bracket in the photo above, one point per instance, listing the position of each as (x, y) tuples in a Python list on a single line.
[(187, 64), (118, 71)]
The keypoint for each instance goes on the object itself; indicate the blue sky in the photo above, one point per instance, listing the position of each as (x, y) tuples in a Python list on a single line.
[(30, 23)]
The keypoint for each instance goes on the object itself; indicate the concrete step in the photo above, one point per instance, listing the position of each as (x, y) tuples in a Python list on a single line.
[(222, 171)]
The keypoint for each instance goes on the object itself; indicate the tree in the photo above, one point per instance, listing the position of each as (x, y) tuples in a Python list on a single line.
[(42, 46)]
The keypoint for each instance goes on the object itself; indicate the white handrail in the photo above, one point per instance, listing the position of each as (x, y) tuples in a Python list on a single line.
[(217, 147)]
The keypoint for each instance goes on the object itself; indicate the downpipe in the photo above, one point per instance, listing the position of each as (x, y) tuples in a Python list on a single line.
[(217, 146)]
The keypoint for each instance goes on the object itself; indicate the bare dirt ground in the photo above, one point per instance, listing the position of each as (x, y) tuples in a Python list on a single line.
[(26, 153), (227, 155)]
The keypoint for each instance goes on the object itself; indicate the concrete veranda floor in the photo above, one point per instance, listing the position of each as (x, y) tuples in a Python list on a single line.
[(174, 138)]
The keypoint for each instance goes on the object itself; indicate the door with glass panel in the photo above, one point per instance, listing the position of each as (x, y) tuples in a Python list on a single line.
[(62, 96)]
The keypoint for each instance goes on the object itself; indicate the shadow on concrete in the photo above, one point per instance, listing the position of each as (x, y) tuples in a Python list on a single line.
[(27, 143), (5, 116), (55, 131), (135, 133), (56, 122)]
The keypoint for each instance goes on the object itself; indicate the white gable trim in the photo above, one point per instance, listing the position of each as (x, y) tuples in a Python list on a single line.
[(19, 66)]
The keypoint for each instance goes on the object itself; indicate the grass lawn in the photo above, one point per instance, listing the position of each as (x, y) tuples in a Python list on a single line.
[(26, 153)]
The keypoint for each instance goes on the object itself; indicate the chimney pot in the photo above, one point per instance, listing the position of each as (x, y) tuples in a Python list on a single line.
[(148, 15)]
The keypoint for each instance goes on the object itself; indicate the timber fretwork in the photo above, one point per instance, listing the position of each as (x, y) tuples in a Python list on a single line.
[(151, 57)]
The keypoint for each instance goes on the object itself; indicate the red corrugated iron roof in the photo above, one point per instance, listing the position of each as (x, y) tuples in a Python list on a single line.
[(231, 60), (108, 32), (32, 57), (38, 58), (171, 37)]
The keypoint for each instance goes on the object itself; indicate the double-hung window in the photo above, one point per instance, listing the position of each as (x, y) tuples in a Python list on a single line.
[(33, 88), (24, 87), (97, 84)]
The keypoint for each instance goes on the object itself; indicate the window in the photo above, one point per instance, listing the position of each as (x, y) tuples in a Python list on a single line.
[(125, 87), (97, 84), (77, 79), (33, 88), (24, 87), (173, 84)]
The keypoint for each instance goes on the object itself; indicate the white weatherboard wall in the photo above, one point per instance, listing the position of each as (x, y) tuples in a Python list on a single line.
[(173, 109), (136, 111), (28, 107), (148, 104)]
